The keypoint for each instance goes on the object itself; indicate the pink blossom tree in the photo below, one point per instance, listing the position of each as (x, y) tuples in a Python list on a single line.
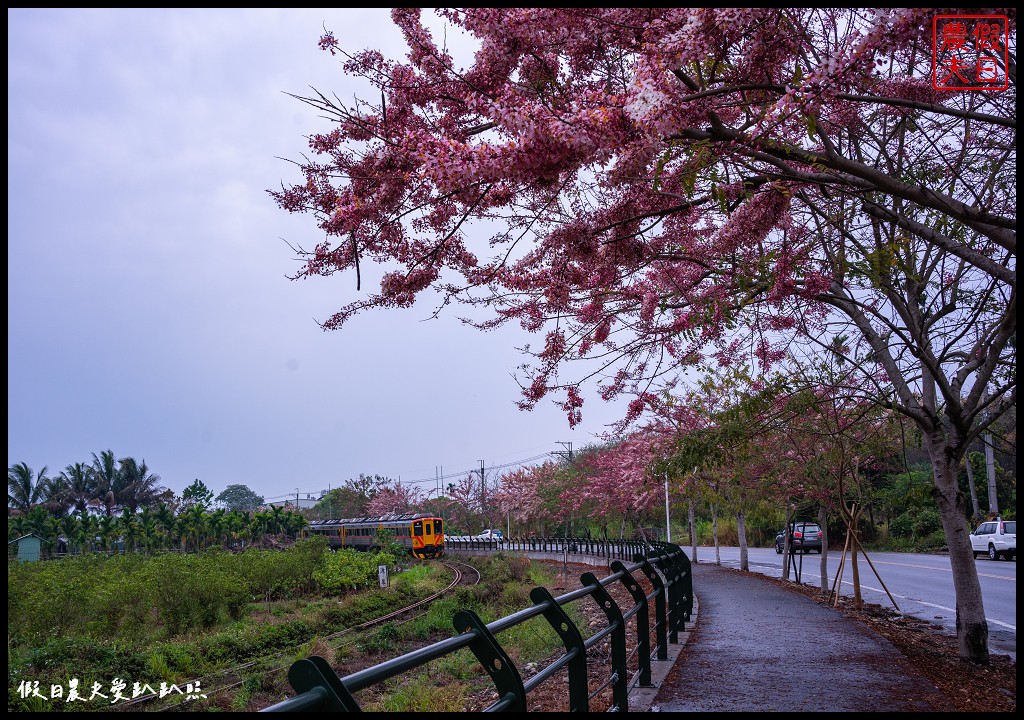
[(395, 498), (524, 496), (836, 437), (725, 443), (656, 184), (465, 509), (621, 483)]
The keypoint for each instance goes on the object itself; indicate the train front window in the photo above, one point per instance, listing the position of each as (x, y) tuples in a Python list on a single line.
[(437, 527), (417, 528)]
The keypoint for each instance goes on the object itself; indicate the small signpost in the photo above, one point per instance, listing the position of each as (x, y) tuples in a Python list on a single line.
[(382, 574)]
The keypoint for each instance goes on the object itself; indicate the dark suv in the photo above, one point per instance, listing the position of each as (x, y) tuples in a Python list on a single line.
[(806, 537)]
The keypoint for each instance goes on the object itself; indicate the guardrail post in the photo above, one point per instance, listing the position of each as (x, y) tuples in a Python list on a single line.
[(573, 641), (671, 571), (494, 660), (613, 614), (315, 676), (643, 622), (687, 583), (676, 567), (660, 615)]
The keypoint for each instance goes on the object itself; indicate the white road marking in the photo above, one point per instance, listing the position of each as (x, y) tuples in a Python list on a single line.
[(920, 602)]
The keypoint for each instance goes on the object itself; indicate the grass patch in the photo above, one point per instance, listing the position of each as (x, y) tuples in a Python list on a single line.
[(64, 623), (419, 692), (278, 622)]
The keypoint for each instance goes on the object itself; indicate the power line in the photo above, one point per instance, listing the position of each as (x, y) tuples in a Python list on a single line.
[(435, 479), (462, 473)]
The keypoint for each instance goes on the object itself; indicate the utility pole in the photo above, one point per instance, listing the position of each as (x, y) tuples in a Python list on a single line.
[(975, 512), (567, 454), (668, 522), (483, 491), (990, 463), (990, 466)]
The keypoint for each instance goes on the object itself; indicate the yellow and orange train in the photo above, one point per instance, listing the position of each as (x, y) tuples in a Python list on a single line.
[(422, 534)]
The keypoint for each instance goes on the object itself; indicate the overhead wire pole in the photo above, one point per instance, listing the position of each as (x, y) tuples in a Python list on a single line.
[(483, 492), (990, 469), (567, 454), (668, 523)]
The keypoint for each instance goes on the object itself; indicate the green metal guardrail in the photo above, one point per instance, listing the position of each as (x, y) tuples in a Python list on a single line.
[(591, 547), (665, 566)]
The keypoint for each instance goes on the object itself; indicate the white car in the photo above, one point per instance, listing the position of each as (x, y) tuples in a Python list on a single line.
[(491, 535), (996, 538)]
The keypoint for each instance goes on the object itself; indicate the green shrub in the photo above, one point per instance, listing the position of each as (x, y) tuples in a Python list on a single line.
[(349, 569), (382, 639), (420, 693)]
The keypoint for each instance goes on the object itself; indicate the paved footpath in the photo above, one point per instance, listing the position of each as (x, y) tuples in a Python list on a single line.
[(756, 646)]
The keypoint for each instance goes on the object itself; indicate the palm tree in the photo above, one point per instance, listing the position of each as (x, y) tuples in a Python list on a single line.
[(192, 523), (55, 489), (130, 529), (35, 522), (78, 486), (235, 524), (108, 531), (277, 520), (165, 521), (15, 526), (137, 487), (52, 527), (295, 524), (105, 472), (259, 525), (38, 521), (90, 530), (217, 521), (150, 531), (70, 526), (26, 489)]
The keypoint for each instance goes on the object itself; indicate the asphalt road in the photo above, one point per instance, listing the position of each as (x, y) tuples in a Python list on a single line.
[(757, 647), (920, 584)]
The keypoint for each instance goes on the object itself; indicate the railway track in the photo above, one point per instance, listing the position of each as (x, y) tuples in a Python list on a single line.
[(227, 679)]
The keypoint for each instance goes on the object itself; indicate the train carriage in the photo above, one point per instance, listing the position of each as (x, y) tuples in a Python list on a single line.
[(422, 534)]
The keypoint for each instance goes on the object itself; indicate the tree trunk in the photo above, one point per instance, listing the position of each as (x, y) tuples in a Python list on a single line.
[(858, 599), (823, 558), (741, 531), (714, 532), (693, 533), (786, 545), (971, 626)]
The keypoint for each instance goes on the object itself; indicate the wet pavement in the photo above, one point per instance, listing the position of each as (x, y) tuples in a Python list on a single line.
[(755, 646)]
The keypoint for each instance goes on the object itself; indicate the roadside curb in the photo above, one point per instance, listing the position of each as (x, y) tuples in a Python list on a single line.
[(641, 699)]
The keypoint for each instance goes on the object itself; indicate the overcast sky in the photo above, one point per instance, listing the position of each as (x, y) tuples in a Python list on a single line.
[(149, 311)]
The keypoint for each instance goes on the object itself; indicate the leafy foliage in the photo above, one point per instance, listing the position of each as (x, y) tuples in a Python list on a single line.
[(653, 189), (239, 497), (196, 494), (348, 569)]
